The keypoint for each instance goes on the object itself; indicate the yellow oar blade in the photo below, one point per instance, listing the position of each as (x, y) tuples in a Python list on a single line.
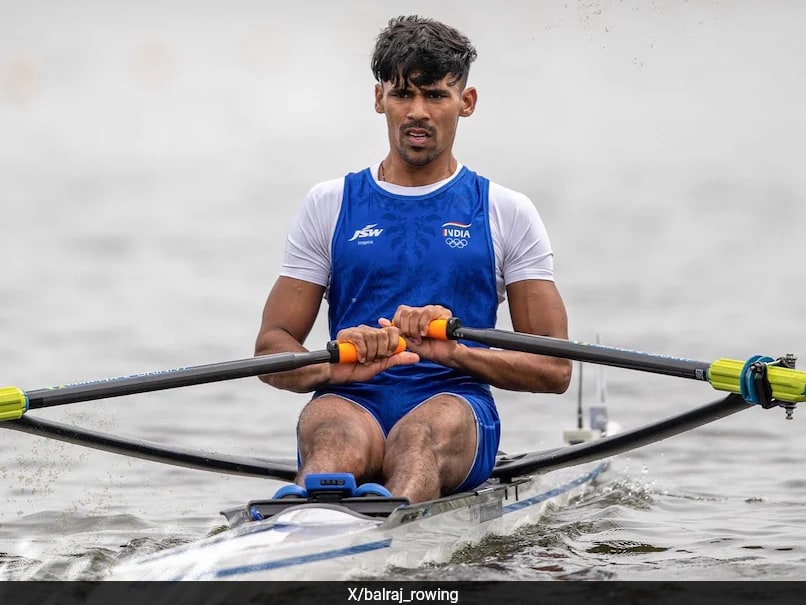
[(13, 403), (787, 384)]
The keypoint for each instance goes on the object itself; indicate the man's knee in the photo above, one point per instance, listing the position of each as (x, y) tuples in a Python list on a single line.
[(336, 436), (448, 416)]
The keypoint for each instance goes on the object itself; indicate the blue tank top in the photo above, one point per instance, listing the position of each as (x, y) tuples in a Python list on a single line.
[(390, 249)]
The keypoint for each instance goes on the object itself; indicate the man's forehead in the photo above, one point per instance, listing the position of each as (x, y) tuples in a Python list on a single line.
[(447, 81)]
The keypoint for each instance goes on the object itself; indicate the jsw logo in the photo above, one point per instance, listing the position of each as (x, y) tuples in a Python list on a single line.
[(368, 231)]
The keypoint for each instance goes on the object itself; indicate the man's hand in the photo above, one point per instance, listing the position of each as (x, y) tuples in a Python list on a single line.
[(375, 350), (413, 324)]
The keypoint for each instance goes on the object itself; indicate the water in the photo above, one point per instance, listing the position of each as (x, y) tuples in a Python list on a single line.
[(151, 158)]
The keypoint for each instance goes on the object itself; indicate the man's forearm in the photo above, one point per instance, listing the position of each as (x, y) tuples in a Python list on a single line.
[(302, 380), (513, 370)]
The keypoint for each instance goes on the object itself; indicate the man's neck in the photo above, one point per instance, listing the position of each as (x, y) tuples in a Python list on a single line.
[(406, 175)]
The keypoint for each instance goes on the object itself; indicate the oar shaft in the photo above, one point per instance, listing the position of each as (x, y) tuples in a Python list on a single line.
[(173, 378), (207, 461), (561, 457), (754, 379), (581, 351), (14, 402)]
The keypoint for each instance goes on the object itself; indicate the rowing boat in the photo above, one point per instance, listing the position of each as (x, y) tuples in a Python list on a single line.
[(356, 536), (353, 533)]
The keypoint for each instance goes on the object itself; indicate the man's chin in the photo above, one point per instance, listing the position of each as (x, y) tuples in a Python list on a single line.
[(418, 159)]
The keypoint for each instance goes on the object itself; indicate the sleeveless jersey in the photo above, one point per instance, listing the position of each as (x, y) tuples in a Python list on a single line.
[(390, 249)]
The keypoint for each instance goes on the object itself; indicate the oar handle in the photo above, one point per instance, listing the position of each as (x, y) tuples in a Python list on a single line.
[(443, 329), (345, 352)]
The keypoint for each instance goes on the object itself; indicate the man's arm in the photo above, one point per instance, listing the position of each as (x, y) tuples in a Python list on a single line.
[(288, 316), (536, 307)]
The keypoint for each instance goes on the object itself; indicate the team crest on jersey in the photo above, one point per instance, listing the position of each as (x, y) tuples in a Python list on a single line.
[(366, 234), (457, 235)]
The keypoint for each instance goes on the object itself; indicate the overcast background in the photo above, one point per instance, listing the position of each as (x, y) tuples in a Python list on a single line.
[(152, 155)]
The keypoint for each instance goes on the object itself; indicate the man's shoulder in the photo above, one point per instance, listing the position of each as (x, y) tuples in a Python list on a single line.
[(326, 188), (496, 188), (504, 196)]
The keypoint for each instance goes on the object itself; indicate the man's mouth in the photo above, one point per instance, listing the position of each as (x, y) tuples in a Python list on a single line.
[(417, 136)]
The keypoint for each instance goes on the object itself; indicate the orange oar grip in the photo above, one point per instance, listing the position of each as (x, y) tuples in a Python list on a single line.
[(401, 345), (348, 353), (438, 329)]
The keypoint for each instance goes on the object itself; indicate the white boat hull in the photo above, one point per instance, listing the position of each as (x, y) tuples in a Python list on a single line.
[(330, 542)]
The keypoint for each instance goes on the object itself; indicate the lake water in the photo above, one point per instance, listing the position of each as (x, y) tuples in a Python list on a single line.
[(151, 158)]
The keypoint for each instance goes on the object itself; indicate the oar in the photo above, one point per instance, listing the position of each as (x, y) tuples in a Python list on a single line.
[(145, 450), (14, 402), (542, 462), (760, 379)]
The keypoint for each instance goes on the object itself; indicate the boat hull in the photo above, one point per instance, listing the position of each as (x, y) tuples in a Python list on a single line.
[(331, 542)]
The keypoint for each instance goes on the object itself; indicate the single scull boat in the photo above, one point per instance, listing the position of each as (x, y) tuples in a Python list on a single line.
[(355, 536)]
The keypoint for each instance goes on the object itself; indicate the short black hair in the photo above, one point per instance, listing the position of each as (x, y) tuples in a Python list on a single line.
[(424, 47)]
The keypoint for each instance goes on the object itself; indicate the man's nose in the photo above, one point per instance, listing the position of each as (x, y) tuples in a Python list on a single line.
[(418, 109)]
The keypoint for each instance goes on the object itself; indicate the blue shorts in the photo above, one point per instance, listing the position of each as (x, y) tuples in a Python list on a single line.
[(488, 424)]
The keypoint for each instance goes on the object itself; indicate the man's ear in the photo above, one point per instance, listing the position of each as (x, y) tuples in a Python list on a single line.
[(379, 99), (469, 98)]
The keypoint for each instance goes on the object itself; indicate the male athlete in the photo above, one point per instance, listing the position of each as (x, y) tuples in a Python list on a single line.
[(416, 237)]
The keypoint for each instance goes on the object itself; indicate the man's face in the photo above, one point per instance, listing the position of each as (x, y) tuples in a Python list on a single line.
[(422, 120)]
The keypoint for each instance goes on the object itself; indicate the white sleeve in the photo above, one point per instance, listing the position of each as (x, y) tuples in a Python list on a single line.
[(307, 247), (521, 242)]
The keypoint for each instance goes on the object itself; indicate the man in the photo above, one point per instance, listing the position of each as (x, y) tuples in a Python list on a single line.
[(416, 237)]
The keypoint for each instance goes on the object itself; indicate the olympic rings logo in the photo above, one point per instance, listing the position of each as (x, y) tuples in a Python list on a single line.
[(455, 242)]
